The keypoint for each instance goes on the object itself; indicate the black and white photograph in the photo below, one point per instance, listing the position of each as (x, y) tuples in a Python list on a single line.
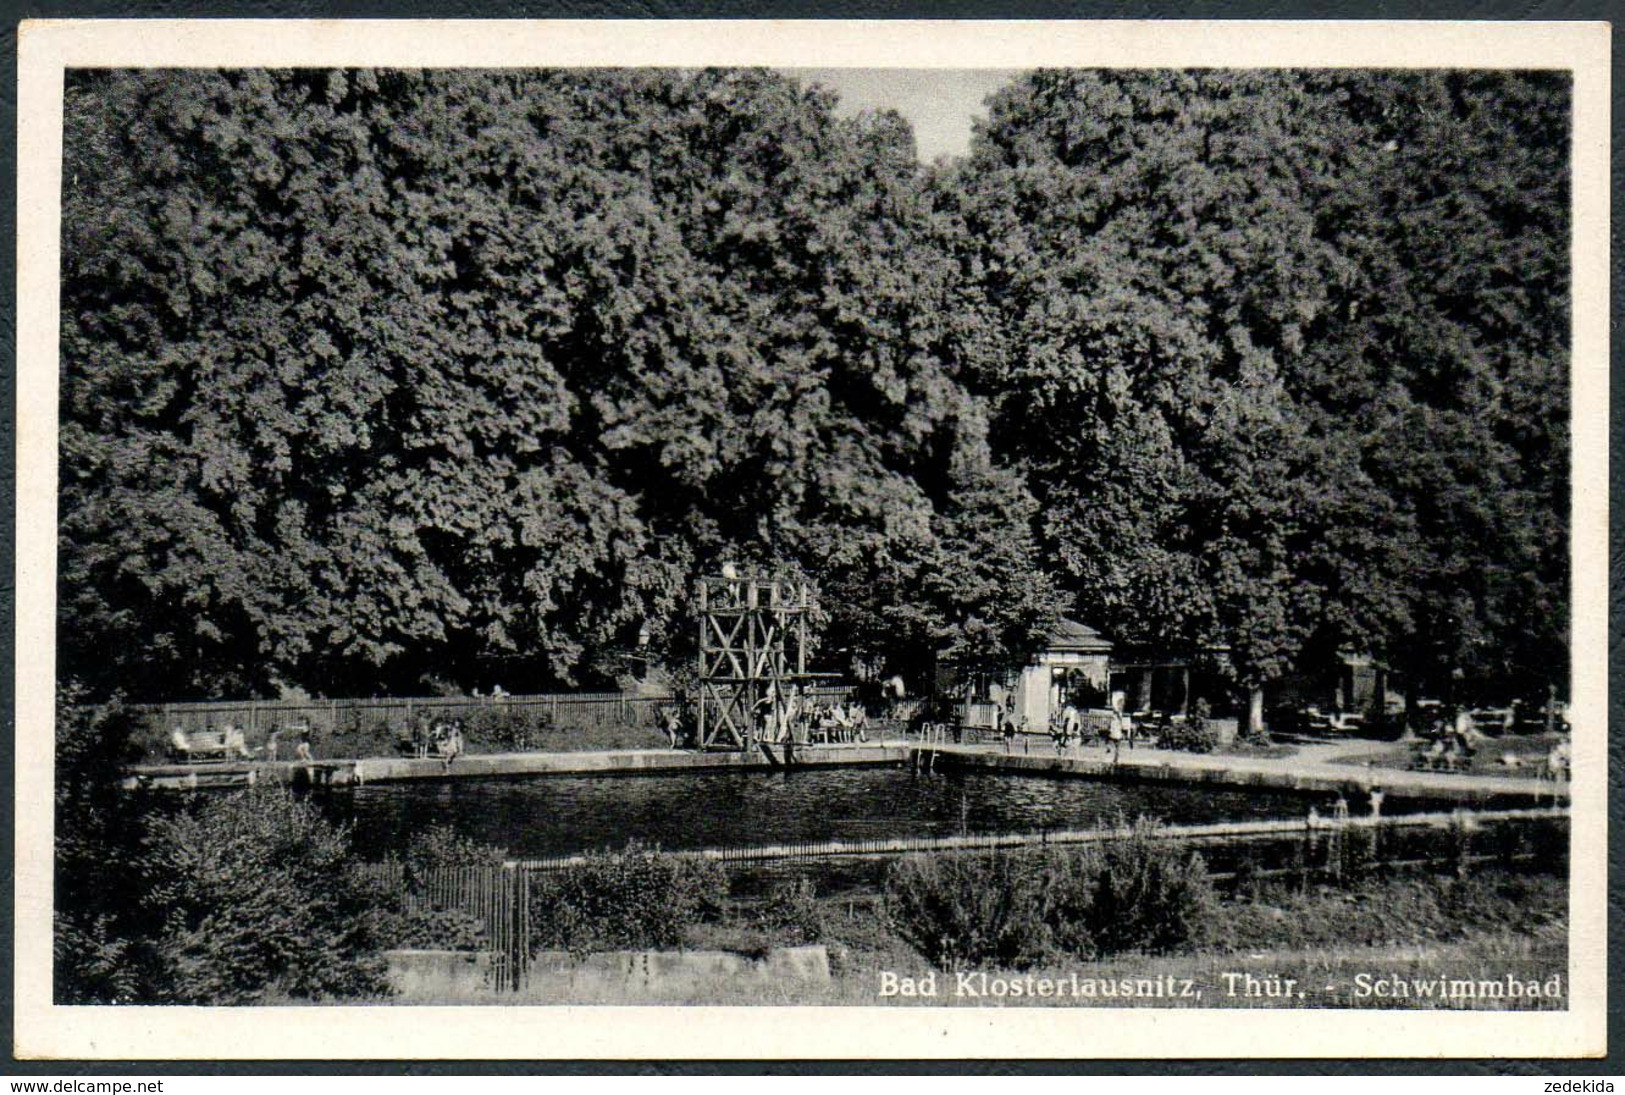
[(889, 542)]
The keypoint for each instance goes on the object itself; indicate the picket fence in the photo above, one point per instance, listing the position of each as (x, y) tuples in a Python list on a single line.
[(563, 709)]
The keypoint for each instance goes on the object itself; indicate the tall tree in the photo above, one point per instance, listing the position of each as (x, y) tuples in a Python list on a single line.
[(372, 374), (1210, 338), (1457, 314)]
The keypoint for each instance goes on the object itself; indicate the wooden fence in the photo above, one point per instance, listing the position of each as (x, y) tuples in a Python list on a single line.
[(565, 709)]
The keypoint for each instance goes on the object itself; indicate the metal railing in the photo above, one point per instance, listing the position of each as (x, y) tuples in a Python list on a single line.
[(498, 896)]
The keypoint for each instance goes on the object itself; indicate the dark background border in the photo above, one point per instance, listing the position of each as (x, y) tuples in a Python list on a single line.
[(17, 10)]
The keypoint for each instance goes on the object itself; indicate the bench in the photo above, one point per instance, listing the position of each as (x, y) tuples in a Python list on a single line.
[(201, 746), (1429, 758), (1316, 721), (1493, 720)]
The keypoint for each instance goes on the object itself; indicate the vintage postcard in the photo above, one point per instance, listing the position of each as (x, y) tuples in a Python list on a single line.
[(831, 539)]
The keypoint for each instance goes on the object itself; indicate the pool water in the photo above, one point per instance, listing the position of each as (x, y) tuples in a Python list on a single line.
[(557, 815)]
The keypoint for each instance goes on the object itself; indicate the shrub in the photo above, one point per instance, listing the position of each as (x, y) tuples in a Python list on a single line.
[(100, 954), (92, 963), (260, 895), (358, 735), (633, 899), (93, 743), (437, 848), (441, 847), (964, 910), (435, 929), (1195, 734), (1387, 912), (1019, 909), (1067, 892), (792, 912), (1150, 895), (499, 728)]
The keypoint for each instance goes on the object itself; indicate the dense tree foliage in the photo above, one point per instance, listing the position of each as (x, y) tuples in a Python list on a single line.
[(371, 378), (1283, 354), (368, 375)]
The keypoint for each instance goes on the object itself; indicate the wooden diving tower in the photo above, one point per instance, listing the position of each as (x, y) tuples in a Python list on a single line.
[(752, 657)]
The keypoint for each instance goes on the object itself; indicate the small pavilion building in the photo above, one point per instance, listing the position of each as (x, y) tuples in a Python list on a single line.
[(1075, 662)]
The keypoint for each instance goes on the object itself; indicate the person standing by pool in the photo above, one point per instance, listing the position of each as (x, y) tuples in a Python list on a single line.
[(671, 724), (450, 743), (1117, 726), (1068, 728)]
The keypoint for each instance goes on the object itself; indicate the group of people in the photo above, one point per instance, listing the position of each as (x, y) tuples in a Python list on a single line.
[(787, 716), (782, 716), (1069, 725), (1452, 742), (440, 737), (1449, 750), (843, 721), (230, 742)]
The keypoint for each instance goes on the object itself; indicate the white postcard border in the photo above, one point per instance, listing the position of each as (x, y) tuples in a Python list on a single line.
[(44, 1030)]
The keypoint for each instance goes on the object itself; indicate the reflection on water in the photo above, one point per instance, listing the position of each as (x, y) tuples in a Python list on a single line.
[(562, 814)]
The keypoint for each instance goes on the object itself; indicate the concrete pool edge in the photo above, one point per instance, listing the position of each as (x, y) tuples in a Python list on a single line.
[(1272, 774), (366, 770)]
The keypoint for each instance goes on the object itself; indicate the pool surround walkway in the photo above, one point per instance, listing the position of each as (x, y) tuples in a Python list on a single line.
[(1312, 769)]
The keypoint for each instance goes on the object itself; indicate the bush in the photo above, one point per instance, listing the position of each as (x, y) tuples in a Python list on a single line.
[(1017, 910), (438, 848), (635, 899), (1067, 892), (435, 929), (92, 963), (99, 943), (93, 743), (499, 728), (1196, 734), (441, 847), (792, 913), (1418, 910), (1150, 895), (260, 896), (966, 910)]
